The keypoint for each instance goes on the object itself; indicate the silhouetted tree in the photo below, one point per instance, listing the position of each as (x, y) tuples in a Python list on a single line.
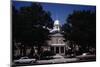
[(29, 25), (80, 28)]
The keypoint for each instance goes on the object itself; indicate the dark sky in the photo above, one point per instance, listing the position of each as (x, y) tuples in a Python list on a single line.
[(58, 11)]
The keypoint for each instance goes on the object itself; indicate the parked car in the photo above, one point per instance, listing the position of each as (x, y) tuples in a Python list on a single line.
[(25, 60), (87, 57)]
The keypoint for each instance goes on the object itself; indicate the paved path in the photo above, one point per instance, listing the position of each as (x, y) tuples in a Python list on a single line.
[(60, 60)]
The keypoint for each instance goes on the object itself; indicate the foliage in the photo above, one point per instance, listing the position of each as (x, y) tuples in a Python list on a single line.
[(80, 28), (29, 25)]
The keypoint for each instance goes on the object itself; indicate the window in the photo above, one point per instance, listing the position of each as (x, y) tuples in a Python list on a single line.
[(57, 49), (62, 49), (56, 40)]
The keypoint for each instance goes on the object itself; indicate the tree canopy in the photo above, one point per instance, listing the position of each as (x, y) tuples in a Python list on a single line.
[(80, 27), (29, 24)]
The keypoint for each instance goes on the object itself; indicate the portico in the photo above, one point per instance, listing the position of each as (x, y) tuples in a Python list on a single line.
[(58, 49), (56, 42)]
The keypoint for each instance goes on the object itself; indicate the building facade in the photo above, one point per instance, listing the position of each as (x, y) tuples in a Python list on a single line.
[(56, 42)]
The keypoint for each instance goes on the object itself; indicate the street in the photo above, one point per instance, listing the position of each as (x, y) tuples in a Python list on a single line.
[(61, 60)]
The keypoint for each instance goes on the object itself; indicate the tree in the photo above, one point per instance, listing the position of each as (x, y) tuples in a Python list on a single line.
[(29, 25), (81, 29)]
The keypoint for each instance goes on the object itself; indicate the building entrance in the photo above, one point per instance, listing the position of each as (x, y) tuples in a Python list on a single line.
[(58, 49)]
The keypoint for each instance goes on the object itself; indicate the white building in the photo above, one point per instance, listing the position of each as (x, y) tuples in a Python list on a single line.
[(56, 42)]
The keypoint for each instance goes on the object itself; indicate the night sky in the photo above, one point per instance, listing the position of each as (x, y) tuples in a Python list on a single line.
[(58, 11)]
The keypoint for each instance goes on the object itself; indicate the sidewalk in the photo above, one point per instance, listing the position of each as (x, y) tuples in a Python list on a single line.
[(60, 60)]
